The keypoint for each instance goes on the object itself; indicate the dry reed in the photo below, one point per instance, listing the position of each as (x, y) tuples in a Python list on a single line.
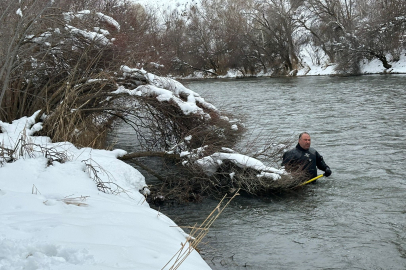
[(197, 234)]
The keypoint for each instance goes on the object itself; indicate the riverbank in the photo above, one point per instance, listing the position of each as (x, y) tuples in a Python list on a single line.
[(55, 215), (366, 67), (326, 69)]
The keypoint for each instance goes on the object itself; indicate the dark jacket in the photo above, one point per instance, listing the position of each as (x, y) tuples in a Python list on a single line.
[(298, 159)]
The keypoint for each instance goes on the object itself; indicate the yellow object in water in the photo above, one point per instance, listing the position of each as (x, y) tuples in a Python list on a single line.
[(311, 180)]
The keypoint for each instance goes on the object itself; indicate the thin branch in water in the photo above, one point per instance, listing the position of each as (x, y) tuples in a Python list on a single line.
[(197, 234)]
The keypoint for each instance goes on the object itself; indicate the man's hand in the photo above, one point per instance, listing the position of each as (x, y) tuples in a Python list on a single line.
[(327, 172)]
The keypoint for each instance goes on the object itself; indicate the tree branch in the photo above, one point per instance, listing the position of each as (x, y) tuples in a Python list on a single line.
[(149, 154)]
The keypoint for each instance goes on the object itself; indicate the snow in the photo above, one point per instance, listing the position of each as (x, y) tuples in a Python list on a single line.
[(167, 5), (92, 36), (322, 67), (54, 217), (375, 66), (19, 12), (211, 163), (109, 20), (311, 66), (69, 16), (166, 89), (100, 34)]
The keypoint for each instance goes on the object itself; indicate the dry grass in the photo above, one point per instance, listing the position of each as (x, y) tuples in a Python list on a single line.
[(95, 171), (197, 234), (24, 148), (78, 201)]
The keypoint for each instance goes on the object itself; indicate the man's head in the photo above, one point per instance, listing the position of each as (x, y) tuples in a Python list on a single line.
[(304, 140)]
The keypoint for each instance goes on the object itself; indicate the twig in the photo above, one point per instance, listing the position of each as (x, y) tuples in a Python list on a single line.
[(197, 234)]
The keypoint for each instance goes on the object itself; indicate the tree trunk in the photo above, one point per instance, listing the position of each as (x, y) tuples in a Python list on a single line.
[(383, 59), (149, 154)]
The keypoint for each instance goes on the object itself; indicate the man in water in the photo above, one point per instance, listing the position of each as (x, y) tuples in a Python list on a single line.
[(304, 160)]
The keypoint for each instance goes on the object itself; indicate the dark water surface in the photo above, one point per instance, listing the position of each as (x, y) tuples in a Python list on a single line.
[(355, 219)]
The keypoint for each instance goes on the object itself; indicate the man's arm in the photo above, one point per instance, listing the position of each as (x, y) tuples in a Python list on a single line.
[(321, 165)]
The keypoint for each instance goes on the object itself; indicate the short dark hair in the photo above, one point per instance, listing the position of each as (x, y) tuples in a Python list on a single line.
[(300, 135)]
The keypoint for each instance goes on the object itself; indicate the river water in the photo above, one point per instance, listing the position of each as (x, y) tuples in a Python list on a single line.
[(354, 219)]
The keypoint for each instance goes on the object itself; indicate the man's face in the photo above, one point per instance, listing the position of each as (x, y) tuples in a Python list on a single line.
[(304, 141)]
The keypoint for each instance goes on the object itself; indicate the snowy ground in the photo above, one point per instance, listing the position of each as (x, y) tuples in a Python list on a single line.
[(54, 217), (367, 67)]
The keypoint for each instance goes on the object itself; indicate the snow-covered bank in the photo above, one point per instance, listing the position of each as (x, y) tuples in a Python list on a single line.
[(54, 217), (366, 67), (310, 69), (326, 69)]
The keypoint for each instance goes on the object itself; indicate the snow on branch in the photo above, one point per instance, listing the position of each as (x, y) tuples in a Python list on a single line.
[(68, 16), (109, 20), (89, 35), (210, 164), (100, 34), (166, 89)]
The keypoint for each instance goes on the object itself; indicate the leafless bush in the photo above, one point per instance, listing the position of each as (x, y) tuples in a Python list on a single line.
[(6, 155), (82, 113), (95, 170), (193, 182), (167, 126), (47, 53)]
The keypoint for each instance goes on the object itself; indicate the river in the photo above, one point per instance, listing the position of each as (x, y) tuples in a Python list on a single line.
[(354, 219)]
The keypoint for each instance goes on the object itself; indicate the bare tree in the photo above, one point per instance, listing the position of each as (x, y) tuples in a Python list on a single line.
[(275, 27), (349, 31), (214, 37), (19, 27), (382, 31)]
